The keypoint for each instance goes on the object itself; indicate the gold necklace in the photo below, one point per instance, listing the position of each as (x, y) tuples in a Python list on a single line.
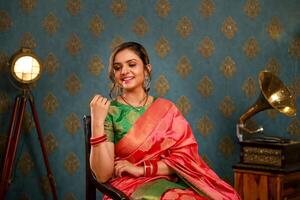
[(137, 108)]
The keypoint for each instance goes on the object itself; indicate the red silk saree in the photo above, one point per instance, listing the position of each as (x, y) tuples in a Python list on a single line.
[(162, 133)]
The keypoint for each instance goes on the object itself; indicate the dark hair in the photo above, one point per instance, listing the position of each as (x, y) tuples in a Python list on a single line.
[(138, 49)]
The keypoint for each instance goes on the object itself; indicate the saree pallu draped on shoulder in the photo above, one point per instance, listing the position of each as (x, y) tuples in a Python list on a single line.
[(162, 133)]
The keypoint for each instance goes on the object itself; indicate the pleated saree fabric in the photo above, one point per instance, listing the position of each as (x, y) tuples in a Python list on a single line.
[(162, 133)]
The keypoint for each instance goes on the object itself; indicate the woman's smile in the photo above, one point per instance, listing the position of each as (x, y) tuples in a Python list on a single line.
[(126, 80)]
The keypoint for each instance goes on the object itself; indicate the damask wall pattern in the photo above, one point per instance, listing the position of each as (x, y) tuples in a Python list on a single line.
[(206, 57)]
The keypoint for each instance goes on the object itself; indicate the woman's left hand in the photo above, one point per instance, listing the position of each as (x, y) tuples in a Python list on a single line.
[(123, 166)]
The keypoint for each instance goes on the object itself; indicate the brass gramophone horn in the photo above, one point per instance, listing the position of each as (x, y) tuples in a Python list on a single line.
[(274, 95)]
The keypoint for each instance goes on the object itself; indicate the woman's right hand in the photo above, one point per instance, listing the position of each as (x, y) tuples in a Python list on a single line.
[(99, 108)]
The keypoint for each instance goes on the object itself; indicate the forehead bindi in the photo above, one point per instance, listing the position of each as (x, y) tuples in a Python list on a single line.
[(126, 55)]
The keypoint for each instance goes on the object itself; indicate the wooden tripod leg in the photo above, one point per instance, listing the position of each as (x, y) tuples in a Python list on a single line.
[(12, 142), (40, 137)]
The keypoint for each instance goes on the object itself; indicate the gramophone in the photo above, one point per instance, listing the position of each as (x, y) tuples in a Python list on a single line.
[(268, 152)]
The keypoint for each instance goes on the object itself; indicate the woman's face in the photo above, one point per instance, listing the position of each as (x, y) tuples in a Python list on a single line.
[(129, 70)]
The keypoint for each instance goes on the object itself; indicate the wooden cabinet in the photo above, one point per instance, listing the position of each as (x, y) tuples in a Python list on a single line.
[(260, 185)]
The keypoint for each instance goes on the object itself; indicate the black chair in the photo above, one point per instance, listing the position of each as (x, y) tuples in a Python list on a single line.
[(91, 183)]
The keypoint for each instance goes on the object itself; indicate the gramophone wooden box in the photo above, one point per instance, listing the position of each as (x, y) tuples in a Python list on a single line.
[(282, 155)]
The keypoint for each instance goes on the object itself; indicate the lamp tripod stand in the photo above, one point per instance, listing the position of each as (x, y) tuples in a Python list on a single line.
[(12, 142)]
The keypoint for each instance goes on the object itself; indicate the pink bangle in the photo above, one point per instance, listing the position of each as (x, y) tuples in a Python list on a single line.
[(96, 140), (154, 167)]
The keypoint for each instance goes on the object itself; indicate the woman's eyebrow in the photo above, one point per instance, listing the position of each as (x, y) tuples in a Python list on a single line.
[(131, 60), (127, 61)]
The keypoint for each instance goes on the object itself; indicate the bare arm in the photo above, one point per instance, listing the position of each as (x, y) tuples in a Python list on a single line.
[(123, 166), (164, 169), (102, 155)]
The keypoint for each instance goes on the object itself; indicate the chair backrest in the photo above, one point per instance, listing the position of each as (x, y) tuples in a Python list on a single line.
[(91, 183)]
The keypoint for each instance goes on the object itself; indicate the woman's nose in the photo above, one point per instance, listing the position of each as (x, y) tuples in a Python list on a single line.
[(124, 70)]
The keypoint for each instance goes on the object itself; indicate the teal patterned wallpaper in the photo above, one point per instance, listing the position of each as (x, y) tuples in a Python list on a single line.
[(206, 57)]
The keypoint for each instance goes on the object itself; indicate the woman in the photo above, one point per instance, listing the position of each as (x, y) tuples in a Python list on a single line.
[(142, 144)]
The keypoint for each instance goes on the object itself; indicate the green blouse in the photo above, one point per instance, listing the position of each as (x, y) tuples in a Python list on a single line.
[(120, 119)]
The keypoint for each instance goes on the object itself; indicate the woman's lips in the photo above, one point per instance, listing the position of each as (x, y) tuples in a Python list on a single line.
[(127, 80)]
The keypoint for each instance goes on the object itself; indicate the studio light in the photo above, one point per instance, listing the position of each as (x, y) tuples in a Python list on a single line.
[(25, 67), (25, 70)]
